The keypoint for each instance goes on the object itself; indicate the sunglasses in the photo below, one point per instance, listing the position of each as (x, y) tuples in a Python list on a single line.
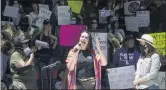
[(94, 22)]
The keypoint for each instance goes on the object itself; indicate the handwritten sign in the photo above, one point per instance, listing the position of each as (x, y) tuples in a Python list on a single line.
[(121, 78), (160, 42), (68, 39), (11, 11), (43, 15), (64, 17), (162, 80), (103, 41), (143, 18), (131, 7), (43, 6), (131, 24), (103, 14)]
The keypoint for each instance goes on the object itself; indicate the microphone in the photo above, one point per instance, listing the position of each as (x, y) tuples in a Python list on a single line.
[(75, 50)]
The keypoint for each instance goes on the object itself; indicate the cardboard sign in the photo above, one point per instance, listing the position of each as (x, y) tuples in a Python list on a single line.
[(70, 34), (131, 24), (43, 6), (102, 37), (75, 5), (103, 14), (143, 18), (121, 78), (162, 80), (11, 11), (131, 7), (160, 42), (64, 15), (43, 15)]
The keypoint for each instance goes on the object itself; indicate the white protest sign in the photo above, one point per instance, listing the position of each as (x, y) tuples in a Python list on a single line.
[(7, 22), (64, 15), (43, 15), (11, 11), (103, 14), (43, 6), (121, 78), (103, 41), (162, 80), (143, 18), (131, 7), (131, 24)]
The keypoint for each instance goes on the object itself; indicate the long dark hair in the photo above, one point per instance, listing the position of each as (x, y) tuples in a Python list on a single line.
[(90, 45), (58, 77), (113, 24), (151, 51)]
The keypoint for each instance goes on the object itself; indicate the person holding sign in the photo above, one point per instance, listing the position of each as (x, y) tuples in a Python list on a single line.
[(148, 65), (34, 14), (82, 61)]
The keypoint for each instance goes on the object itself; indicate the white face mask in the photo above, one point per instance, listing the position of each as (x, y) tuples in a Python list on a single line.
[(27, 51)]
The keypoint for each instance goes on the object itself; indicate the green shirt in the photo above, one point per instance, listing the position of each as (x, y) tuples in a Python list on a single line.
[(23, 74)]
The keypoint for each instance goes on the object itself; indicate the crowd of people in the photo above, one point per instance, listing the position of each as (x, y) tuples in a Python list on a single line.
[(22, 55)]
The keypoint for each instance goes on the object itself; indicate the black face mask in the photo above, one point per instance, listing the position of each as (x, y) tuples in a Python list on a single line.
[(142, 48)]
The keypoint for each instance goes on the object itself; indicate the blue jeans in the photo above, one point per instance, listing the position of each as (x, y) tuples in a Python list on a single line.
[(153, 87)]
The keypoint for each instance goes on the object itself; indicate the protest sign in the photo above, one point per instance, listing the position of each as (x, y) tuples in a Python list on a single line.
[(162, 80), (43, 6), (160, 42), (122, 77), (11, 11), (75, 5), (7, 22), (143, 18), (103, 14), (103, 41), (64, 15), (70, 34), (43, 15), (131, 7), (131, 24)]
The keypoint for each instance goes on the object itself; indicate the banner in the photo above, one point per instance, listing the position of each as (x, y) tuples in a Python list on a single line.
[(162, 80), (75, 5), (143, 18), (103, 41), (43, 6), (131, 24), (131, 7), (64, 15), (121, 78), (70, 34), (103, 14), (43, 15), (160, 41), (11, 11)]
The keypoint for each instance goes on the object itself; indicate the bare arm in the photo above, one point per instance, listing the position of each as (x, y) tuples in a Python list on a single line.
[(71, 60)]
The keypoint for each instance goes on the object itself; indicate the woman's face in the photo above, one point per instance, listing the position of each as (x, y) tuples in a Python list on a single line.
[(61, 74), (35, 7), (94, 24), (84, 39), (15, 2), (130, 43), (116, 25), (47, 29)]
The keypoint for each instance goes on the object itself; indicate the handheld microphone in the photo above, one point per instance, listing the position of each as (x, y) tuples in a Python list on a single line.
[(75, 50)]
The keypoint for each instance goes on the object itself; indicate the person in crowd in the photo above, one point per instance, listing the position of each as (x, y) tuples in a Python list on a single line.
[(110, 19), (148, 65), (94, 24), (17, 5), (116, 29), (22, 67), (47, 35), (60, 74), (33, 16), (82, 61), (127, 55)]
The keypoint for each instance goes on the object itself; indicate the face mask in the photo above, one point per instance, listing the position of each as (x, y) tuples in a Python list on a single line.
[(142, 48), (27, 51)]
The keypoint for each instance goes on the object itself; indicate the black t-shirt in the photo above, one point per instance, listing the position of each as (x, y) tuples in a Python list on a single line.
[(85, 65)]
